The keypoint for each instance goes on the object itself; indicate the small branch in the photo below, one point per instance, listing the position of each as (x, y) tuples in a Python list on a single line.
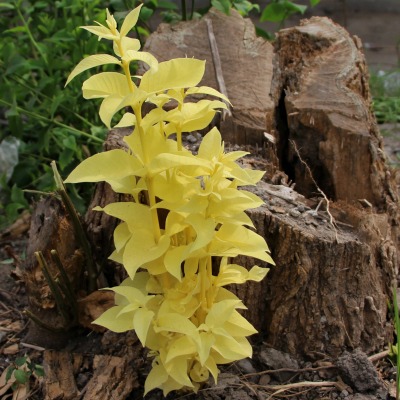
[(32, 346), (270, 371), (283, 388)]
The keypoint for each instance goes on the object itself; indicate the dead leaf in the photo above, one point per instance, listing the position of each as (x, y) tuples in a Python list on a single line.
[(13, 349), (92, 306)]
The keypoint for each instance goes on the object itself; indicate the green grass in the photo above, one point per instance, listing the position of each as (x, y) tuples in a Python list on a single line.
[(385, 89)]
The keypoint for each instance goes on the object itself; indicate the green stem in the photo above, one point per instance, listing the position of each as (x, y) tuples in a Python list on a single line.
[(192, 10), (69, 291), (31, 38), (53, 121), (22, 81), (184, 13), (58, 297)]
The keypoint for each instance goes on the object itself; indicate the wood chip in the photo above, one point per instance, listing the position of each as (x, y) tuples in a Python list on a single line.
[(13, 349)]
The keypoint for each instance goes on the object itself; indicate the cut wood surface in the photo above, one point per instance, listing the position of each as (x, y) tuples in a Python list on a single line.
[(246, 63), (327, 102)]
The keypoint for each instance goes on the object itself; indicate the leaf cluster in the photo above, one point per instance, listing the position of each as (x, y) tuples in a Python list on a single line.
[(17, 376), (186, 212), (40, 44)]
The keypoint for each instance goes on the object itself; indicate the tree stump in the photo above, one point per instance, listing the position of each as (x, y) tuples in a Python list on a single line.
[(331, 206)]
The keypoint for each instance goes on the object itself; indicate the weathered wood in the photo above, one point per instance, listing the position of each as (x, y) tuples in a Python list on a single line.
[(114, 378), (330, 287), (326, 106), (59, 372), (50, 229)]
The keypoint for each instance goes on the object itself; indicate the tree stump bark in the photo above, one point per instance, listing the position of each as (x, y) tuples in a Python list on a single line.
[(336, 248), (331, 206)]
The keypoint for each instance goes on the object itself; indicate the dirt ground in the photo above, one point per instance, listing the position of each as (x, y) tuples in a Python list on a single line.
[(377, 24)]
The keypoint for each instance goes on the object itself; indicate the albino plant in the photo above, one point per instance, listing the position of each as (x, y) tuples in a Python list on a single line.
[(173, 299)]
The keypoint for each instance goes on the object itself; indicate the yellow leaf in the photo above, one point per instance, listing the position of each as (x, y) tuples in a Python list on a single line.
[(204, 228), (108, 109), (105, 84), (207, 339), (142, 248), (121, 235), (126, 44), (90, 62), (172, 322), (238, 326), (173, 74), (141, 323), (173, 260), (149, 59), (206, 90), (210, 146), (128, 119), (130, 21), (182, 346), (178, 370), (232, 348), (212, 367), (101, 31), (110, 320), (157, 376), (199, 373), (131, 294), (166, 161), (220, 312), (110, 165)]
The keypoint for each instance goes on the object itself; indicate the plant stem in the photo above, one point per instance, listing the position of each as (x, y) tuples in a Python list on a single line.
[(53, 121), (203, 283), (184, 14), (31, 38), (58, 297)]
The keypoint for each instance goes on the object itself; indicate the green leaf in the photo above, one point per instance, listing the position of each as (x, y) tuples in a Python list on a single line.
[(279, 11), (314, 2), (9, 373), (21, 376), (222, 5), (7, 5), (38, 370), (20, 361), (70, 142)]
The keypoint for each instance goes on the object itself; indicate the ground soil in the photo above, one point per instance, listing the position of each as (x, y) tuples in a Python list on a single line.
[(376, 23)]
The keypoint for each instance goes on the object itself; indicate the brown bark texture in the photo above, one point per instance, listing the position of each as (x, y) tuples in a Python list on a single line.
[(330, 216)]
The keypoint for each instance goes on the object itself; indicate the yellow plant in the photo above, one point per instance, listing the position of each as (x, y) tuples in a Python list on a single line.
[(173, 299)]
